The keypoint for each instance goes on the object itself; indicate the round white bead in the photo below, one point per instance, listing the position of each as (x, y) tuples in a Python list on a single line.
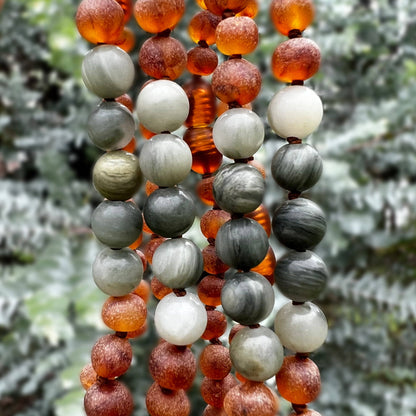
[(295, 111), (162, 106), (180, 320), (238, 133)]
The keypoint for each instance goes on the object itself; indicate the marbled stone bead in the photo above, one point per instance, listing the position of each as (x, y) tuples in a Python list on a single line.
[(247, 298), (117, 224), (242, 243), (116, 175), (110, 126), (301, 276), (301, 328), (117, 272), (296, 167), (165, 160), (178, 263), (299, 224), (169, 212), (256, 353), (238, 188)]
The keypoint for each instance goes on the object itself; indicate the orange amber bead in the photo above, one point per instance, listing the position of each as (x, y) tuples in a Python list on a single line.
[(100, 21), (298, 380), (201, 61), (137, 243), (201, 3), (124, 313), (212, 263), (237, 35), (202, 27), (213, 411), (267, 266), (146, 228), (215, 361), (143, 259), (305, 412), (220, 6), (205, 191), (147, 134), (139, 332), (216, 325), (126, 100), (209, 290), (296, 59), (212, 221), (150, 187), (127, 6), (167, 402), (214, 391), (88, 376), (127, 40), (157, 16), (223, 107), (159, 290), (261, 215), (236, 80), (143, 290), (151, 247), (290, 15), (234, 330), (250, 10)]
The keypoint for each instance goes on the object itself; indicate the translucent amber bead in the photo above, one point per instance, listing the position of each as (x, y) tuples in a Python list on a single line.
[(162, 57), (209, 290), (130, 147), (214, 391), (237, 35), (223, 107), (88, 376), (147, 134), (296, 59), (262, 216), (127, 40), (138, 332), (250, 10), (151, 247), (220, 6), (212, 221), (205, 191), (288, 15), (216, 325), (267, 266), (201, 3), (126, 100), (159, 290), (157, 16), (162, 402), (127, 6), (201, 61), (215, 361), (212, 263), (202, 27), (143, 290)]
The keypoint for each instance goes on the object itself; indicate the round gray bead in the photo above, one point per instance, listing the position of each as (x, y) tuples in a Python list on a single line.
[(299, 224), (117, 272), (247, 298), (296, 167)]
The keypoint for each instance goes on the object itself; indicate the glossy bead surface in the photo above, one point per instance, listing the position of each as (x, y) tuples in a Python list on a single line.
[(301, 328), (215, 361), (162, 402), (256, 353), (295, 111), (107, 71), (238, 133), (251, 9), (296, 167), (201, 61), (213, 391), (247, 298), (180, 320), (202, 27)]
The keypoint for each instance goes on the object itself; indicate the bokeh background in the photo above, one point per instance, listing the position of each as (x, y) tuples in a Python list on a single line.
[(49, 305)]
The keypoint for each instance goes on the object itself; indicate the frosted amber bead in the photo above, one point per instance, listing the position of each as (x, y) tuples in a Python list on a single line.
[(127, 6), (296, 59), (143, 290), (216, 325), (262, 216), (201, 61), (202, 27), (151, 247), (167, 402), (212, 263), (220, 6), (250, 10), (88, 376), (237, 35), (213, 411), (138, 332), (214, 391), (127, 40), (234, 331), (215, 361), (159, 290), (305, 412), (204, 190), (126, 100), (209, 290), (212, 221)]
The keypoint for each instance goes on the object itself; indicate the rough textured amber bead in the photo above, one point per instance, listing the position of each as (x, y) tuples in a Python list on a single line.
[(237, 35), (88, 376), (143, 290), (205, 156), (305, 412), (127, 6), (167, 402), (100, 21), (220, 6), (159, 290), (139, 332), (201, 61), (127, 40), (267, 266), (126, 100), (202, 27), (213, 411), (157, 16), (212, 221), (234, 330), (296, 59), (289, 15), (209, 290), (298, 380), (151, 247), (204, 189), (261, 215), (124, 313), (162, 57), (214, 391), (250, 10), (216, 325), (223, 107), (236, 80), (215, 361), (212, 263)]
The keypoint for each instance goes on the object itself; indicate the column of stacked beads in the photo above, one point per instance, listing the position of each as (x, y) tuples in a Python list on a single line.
[(299, 224), (108, 72)]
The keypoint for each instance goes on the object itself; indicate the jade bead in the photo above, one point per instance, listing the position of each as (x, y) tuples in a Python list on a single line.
[(117, 224), (301, 276), (165, 160), (169, 212), (110, 126), (238, 188), (242, 243), (247, 298), (117, 175), (178, 263), (117, 272), (299, 224), (256, 353), (301, 328), (107, 71)]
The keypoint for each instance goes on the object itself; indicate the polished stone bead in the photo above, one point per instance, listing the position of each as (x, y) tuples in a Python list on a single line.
[(169, 212), (242, 243), (247, 298), (299, 224), (256, 353), (178, 263), (301, 276), (296, 167), (301, 328), (117, 272), (238, 188), (117, 224), (165, 160)]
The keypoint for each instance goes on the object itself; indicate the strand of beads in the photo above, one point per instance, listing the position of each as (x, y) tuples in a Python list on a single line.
[(299, 224)]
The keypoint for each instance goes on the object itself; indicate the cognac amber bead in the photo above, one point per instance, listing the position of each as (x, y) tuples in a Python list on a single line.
[(220, 6), (237, 35), (127, 6), (267, 266), (209, 290), (202, 27), (212, 221), (250, 10), (305, 412), (159, 290), (236, 80), (138, 333), (147, 134), (151, 247), (205, 191), (214, 391), (150, 187), (201, 3), (216, 325), (223, 107), (296, 59), (131, 147), (88, 376), (234, 330), (201, 61), (139, 240), (215, 361), (261, 215), (212, 263), (127, 40), (163, 402), (143, 290), (126, 100), (290, 15)]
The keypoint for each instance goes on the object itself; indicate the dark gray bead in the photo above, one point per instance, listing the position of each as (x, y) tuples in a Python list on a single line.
[(117, 224), (299, 224), (169, 212), (301, 276), (247, 298), (238, 188), (242, 243), (296, 167)]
